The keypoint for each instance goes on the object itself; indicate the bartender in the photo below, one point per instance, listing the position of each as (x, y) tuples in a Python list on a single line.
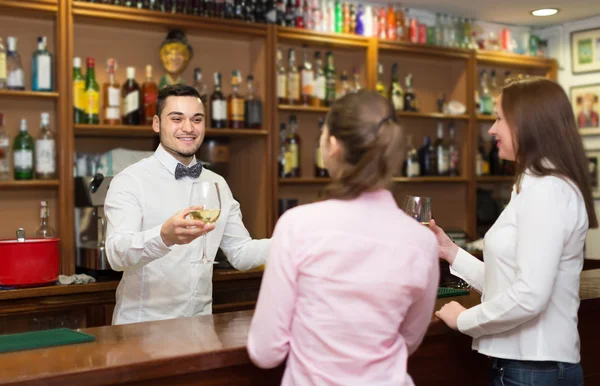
[(150, 236)]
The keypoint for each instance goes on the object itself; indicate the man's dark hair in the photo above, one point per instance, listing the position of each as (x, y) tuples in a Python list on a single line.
[(174, 90)]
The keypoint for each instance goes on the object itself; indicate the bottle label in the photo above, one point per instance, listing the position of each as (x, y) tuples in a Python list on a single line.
[(287, 162), (114, 97), (398, 101), (16, 78), (413, 169), (2, 65), (4, 154), (218, 110), (319, 88), (281, 86), (454, 160), (443, 163), (294, 86), (319, 158), (131, 102), (45, 156), (150, 97), (307, 82), (79, 100), (112, 113), (295, 155), (23, 160), (237, 110), (254, 111), (44, 73), (92, 102)]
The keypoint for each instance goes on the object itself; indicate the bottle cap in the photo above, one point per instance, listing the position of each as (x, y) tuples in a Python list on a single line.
[(23, 126), (130, 72), (148, 71), (197, 73), (90, 62), (111, 64), (45, 118), (77, 62), (11, 41), (42, 40)]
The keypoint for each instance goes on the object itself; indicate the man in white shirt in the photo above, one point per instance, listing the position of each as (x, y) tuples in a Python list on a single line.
[(149, 236)]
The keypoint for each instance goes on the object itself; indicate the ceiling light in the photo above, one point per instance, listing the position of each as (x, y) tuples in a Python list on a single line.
[(545, 12)]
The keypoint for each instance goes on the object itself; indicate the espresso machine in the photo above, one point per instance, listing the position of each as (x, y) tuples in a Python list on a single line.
[(90, 226)]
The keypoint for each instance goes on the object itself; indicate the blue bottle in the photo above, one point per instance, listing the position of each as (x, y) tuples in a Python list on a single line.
[(360, 25), (41, 67)]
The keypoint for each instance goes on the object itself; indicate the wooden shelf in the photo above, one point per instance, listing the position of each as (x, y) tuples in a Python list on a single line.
[(436, 180), (497, 179), (29, 184), (423, 50), (146, 131), (30, 6), (408, 114), (28, 94), (147, 19), (486, 118), (304, 181), (496, 58), (304, 109), (332, 40)]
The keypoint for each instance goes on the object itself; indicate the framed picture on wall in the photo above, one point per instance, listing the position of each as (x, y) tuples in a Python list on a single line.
[(585, 51), (586, 105), (593, 157)]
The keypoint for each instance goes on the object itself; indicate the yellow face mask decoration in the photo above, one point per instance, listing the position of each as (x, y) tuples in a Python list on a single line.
[(175, 54)]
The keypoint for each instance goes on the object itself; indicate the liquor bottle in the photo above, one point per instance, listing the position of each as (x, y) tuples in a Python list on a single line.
[(200, 86), (15, 77), (290, 14), (131, 96), (494, 159), (482, 166), (357, 86), (2, 65), (218, 105), (368, 21), (320, 82), (339, 17), (428, 158), (150, 95), (382, 28), (299, 14), (284, 163), (379, 87), (45, 231), (346, 18), (360, 21), (23, 154), (453, 153), (320, 169), (345, 87), (45, 151), (238, 10), (282, 84), (78, 93), (292, 149), (293, 78), (111, 91), (494, 90), (236, 103), (412, 166), (391, 23), (442, 153), (256, 10), (330, 82), (400, 26), (307, 76), (396, 94), (4, 151), (270, 12), (353, 22), (41, 67), (280, 7), (410, 99), (91, 95), (485, 102), (253, 108)]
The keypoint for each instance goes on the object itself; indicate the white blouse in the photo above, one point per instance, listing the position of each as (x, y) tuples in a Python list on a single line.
[(530, 280)]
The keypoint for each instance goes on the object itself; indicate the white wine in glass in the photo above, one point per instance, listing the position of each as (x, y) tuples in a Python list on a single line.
[(205, 194), (418, 208)]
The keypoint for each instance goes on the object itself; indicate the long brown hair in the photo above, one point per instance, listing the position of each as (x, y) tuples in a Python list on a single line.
[(541, 118), (365, 124)]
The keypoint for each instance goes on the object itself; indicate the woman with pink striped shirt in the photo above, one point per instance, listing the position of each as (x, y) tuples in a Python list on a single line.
[(350, 282)]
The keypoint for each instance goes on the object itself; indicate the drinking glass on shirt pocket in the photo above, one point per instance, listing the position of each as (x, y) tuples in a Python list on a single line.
[(205, 194), (418, 208)]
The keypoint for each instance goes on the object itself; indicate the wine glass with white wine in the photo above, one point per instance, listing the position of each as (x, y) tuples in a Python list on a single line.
[(418, 208), (205, 194)]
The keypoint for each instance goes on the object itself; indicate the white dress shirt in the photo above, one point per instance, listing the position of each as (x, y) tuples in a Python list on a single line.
[(530, 280), (161, 282)]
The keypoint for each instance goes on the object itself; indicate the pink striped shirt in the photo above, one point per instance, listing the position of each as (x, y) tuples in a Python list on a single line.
[(347, 294)]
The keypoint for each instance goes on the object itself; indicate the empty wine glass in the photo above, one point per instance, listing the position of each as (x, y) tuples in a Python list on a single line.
[(418, 208), (205, 194)]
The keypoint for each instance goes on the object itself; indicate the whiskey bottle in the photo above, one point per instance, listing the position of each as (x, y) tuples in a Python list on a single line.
[(253, 108), (91, 95), (23, 154), (380, 87), (330, 81), (307, 76), (130, 94), (236, 103), (45, 231), (2, 65), (45, 151), (41, 67), (218, 105), (320, 170), (396, 94), (282, 84), (150, 95), (79, 101), (293, 79), (112, 96), (292, 149), (410, 99), (319, 86)]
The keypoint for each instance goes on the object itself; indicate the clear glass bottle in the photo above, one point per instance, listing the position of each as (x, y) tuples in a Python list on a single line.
[(320, 169), (293, 78), (412, 167), (396, 93), (282, 85), (330, 81), (2, 65), (292, 149), (15, 77), (454, 154), (4, 151), (45, 151), (380, 87), (443, 159), (111, 91), (45, 231), (307, 76), (23, 153), (41, 67), (319, 86), (410, 98), (218, 105), (200, 86), (253, 108)]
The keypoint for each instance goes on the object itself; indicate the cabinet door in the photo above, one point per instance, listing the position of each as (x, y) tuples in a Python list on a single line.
[(36, 321)]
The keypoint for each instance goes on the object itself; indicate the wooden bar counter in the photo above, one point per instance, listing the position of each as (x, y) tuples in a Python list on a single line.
[(211, 350)]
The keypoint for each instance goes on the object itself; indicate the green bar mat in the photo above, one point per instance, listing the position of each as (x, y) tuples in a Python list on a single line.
[(39, 339), (445, 292)]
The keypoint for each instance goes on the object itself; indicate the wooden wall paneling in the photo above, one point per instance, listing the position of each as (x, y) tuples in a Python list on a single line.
[(470, 151), (269, 112), (372, 63)]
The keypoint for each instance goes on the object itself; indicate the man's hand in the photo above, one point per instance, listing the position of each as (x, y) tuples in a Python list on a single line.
[(179, 230)]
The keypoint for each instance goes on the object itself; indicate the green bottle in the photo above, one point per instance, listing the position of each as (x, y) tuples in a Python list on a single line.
[(339, 17), (92, 95), (78, 93), (330, 81), (23, 154)]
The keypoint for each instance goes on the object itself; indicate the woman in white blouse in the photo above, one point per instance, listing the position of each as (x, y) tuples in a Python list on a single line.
[(527, 320)]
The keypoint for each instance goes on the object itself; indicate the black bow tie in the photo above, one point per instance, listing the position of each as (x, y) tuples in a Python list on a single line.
[(183, 171)]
